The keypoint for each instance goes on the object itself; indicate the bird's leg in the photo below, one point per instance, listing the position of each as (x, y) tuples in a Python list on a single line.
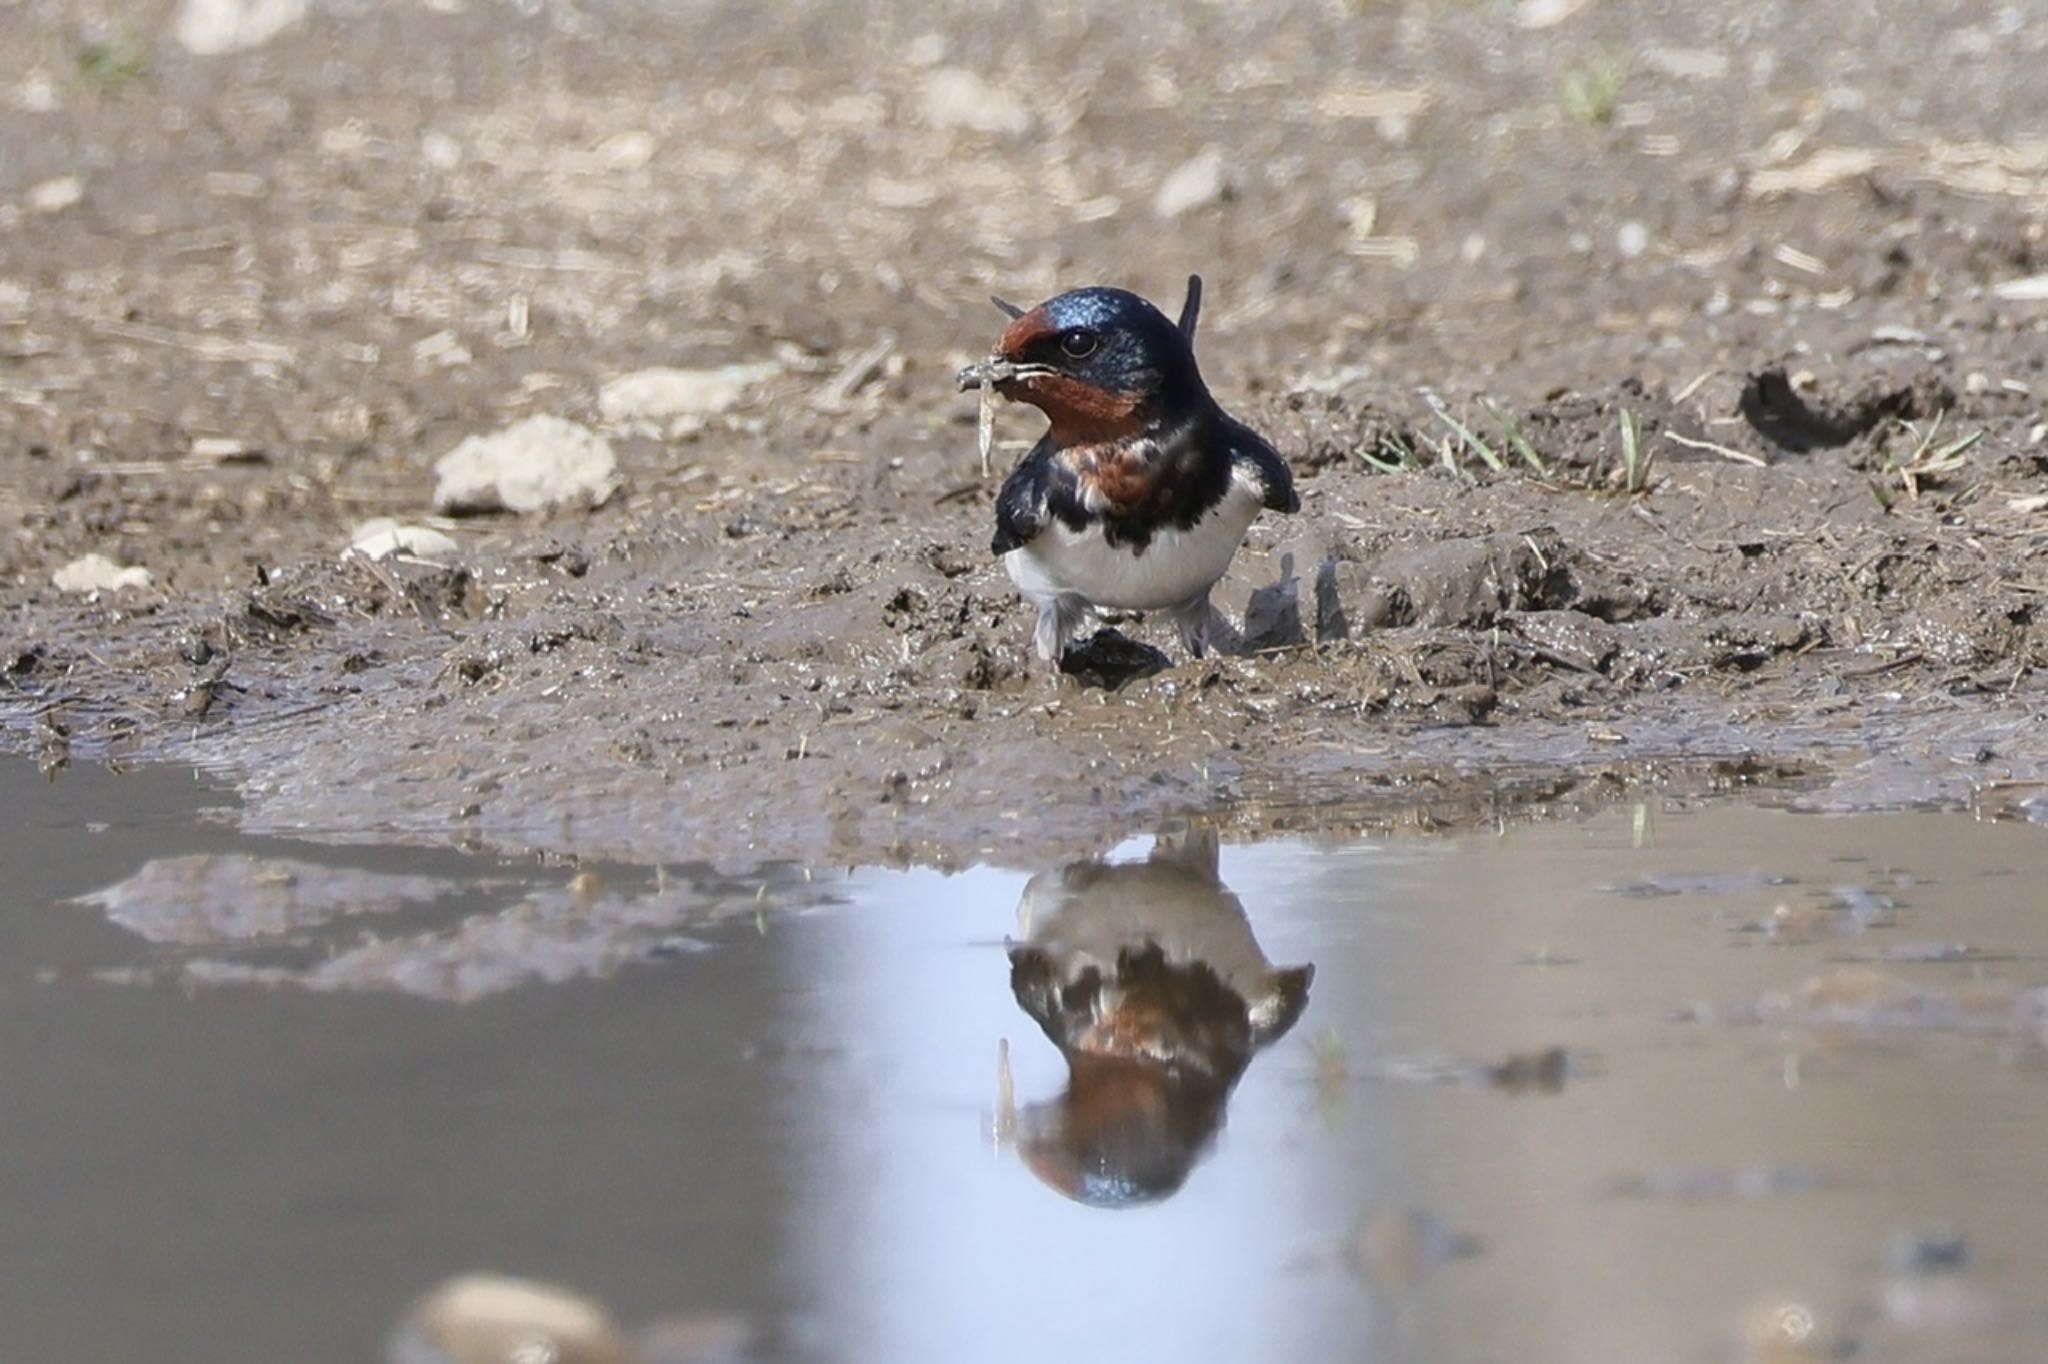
[(1191, 617), (1047, 636), (1059, 617)]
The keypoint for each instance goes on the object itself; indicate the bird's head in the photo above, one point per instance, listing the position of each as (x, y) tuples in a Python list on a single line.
[(1100, 363)]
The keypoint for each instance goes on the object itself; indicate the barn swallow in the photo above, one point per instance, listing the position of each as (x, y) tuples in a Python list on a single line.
[(1142, 488)]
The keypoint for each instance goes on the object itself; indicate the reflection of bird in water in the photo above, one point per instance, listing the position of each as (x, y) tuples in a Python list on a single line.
[(1147, 978)]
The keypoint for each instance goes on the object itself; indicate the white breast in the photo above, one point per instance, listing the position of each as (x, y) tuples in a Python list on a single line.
[(1175, 566)]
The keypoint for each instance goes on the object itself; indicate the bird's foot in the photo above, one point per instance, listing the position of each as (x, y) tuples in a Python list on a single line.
[(1192, 619)]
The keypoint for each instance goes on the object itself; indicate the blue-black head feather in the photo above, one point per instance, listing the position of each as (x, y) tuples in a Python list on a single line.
[(1118, 341)]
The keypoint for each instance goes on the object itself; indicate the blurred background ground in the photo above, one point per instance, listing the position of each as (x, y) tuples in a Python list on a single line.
[(265, 264)]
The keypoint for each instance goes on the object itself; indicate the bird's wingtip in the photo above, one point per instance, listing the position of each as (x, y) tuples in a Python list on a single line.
[(1191, 310)]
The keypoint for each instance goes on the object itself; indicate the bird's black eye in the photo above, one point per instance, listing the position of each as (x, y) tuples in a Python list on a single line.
[(1079, 344)]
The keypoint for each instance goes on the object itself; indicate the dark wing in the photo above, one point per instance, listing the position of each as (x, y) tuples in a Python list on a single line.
[(1249, 449), (1024, 504)]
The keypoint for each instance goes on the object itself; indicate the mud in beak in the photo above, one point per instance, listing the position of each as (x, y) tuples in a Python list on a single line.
[(994, 370)]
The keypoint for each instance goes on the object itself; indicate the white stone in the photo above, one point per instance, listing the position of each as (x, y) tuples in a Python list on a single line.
[(38, 94), (98, 573), (955, 97), (382, 536), (661, 395), (440, 151), (1546, 13), (1197, 181), (486, 1317), (627, 151), (2032, 289), (54, 196), (537, 465), (1632, 239), (211, 27)]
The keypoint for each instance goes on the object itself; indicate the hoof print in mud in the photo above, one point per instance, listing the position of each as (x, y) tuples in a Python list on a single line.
[(1109, 659), (1775, 408), (1466, 582)]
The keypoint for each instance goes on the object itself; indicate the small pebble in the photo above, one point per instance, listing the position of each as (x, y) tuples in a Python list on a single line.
[(955, 97), (1194, 183), (54, 196), (98, 573), (211, 27)]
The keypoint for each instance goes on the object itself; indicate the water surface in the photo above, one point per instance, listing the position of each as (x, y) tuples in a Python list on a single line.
[(1667, 1083)]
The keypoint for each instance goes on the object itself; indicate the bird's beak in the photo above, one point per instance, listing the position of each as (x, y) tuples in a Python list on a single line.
[(996, 369)]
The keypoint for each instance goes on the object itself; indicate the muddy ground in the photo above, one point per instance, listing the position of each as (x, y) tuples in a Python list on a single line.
[(1797, 249)]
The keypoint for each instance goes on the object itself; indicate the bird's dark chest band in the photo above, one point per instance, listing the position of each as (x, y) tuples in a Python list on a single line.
[(1123, 479), (1133, 490)]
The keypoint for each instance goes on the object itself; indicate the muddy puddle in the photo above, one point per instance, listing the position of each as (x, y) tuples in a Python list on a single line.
[(1665, 1082)]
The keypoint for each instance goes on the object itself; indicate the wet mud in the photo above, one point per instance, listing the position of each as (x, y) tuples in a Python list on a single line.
[(1694, 439)]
